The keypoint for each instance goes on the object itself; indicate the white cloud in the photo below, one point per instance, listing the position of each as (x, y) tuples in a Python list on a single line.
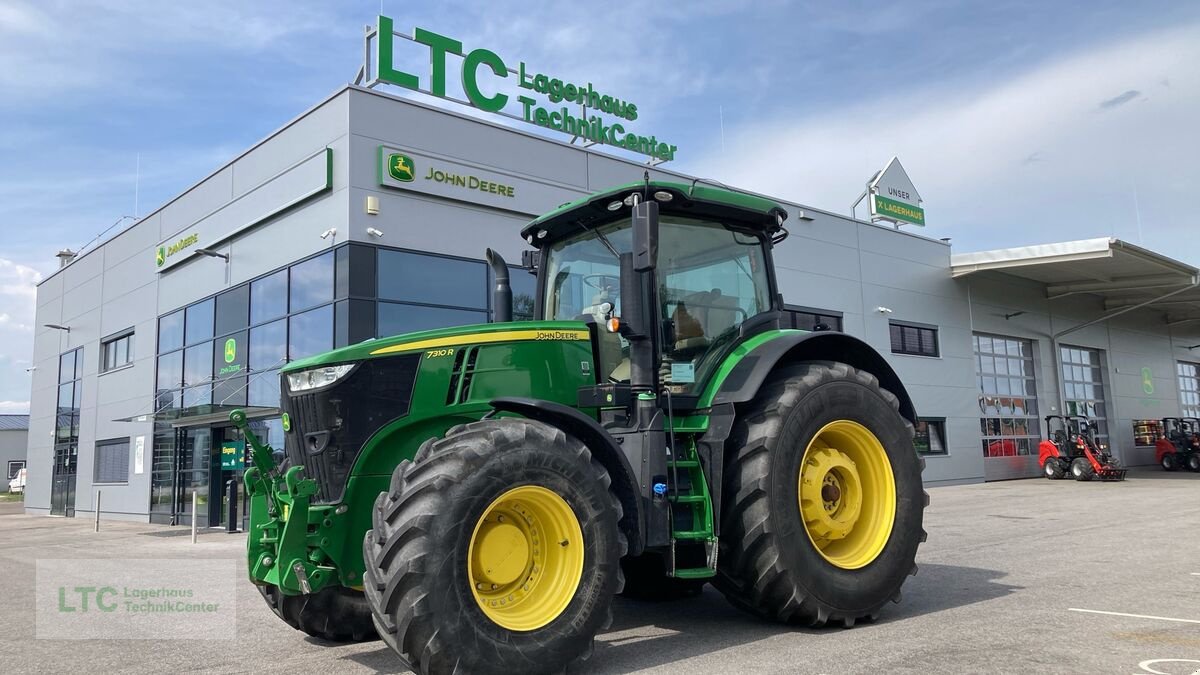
[(17, 302), (14, 407), (1053, 154)]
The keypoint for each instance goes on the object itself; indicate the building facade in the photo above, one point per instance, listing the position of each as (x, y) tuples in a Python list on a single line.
[(14, 441), (368, 216)]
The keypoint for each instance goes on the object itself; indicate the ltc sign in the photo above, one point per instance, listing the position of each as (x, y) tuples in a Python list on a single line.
[(586, 122)]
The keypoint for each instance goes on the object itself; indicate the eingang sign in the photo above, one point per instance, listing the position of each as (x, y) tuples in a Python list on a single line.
[(584, 122)]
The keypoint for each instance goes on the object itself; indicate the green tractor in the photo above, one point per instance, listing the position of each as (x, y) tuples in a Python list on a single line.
[(475, 496)]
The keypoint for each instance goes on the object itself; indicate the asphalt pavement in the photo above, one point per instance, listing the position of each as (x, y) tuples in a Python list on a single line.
[(1027, 576)]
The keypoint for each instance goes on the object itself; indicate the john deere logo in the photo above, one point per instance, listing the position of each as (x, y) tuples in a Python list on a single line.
[(401, 168), (161, 256), (1147, 381), (230, 350)]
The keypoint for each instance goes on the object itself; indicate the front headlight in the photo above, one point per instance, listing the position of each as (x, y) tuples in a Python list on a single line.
[(315, 378)]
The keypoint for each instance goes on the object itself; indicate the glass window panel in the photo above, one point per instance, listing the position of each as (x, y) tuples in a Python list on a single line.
[(197, 374), (395, 319), (198, 324), (268, 297), (229, 355), (432, 279), (230, 391), (264, 389), (268, 345), (524, 288), (233, 310), (170, 332), (170, 371), (66, 367), (310, 333), (311, 283)]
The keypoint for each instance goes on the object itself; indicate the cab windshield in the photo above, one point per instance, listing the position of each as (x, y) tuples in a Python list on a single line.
[(711, 279)]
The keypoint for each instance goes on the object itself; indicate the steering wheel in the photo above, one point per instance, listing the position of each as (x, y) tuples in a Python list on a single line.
[(602, 282)]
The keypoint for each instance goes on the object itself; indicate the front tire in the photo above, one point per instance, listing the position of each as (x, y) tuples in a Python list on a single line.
[(1081, 469), (1193, 461), (336, 614), (496, 550), (1053, 469), (812, 425)]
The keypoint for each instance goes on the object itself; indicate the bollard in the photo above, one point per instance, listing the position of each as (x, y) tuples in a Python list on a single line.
[(194, 502), (97, 528), (232, 520)]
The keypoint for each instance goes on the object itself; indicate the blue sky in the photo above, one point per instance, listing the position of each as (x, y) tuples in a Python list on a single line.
[(1020, 122)]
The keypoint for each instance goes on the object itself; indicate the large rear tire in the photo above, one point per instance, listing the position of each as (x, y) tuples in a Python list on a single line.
[(496, 550), (814, 425), (336, 614)]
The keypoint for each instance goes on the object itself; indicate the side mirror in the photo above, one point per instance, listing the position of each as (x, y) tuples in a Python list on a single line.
[(645, 236)]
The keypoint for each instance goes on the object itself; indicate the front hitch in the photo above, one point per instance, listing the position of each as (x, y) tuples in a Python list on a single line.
[(277, 542)]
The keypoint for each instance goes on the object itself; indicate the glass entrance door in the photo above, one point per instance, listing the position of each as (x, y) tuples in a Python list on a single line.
[(62, 489)]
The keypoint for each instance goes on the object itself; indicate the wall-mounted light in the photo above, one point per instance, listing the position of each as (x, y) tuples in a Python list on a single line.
[(329, 233), (883, 310), (801, 215), (372, 205), (374, 232), (57, 327), (213, 254)]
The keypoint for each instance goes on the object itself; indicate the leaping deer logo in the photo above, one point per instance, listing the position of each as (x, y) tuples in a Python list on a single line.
[(401, 168)]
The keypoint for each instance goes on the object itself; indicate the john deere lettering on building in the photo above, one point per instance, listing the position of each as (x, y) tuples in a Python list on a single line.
[(580, 124), (400, 169), (164, 252)]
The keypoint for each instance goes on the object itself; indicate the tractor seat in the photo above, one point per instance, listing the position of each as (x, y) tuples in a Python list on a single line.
[(701, 316)]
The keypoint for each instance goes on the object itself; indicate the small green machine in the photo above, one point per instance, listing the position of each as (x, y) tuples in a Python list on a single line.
[(475, 496)]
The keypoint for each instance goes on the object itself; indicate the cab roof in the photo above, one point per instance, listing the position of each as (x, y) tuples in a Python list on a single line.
[(749, 211)]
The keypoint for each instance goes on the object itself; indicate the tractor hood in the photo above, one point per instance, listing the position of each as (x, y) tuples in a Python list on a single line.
[(694, 200), (516, 331)]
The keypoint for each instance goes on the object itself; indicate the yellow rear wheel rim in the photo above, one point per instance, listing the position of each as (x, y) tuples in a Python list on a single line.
[(847, 494), (525, 559)]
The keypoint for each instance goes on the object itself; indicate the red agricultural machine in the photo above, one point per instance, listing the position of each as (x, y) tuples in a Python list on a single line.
[(1073, 448), (1179, 447)]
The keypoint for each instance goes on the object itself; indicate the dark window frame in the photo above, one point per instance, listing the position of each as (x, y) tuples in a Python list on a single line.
[(935, 422), (112, 340), (793, 312), (907, 350), (96, 464), (13, 474)]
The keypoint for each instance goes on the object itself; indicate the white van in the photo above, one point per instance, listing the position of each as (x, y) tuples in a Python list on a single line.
[(17, 484)]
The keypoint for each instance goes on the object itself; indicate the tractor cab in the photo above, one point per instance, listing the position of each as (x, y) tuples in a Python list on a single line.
[(676, 272)]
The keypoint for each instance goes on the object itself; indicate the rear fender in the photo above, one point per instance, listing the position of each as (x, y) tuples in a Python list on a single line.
[(743, 381), (602, 446), (1047, 450), (1162, 448)]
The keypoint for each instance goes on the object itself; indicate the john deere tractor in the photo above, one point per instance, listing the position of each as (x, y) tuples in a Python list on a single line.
[(475, 496)]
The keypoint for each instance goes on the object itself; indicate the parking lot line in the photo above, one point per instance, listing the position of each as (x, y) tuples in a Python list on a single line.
[(1135, 616)]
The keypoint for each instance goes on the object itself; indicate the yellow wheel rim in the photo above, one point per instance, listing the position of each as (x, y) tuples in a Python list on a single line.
[(526, 558), (847, 494)]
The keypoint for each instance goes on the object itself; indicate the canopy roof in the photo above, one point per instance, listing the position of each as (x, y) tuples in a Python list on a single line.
[(1125, 276)]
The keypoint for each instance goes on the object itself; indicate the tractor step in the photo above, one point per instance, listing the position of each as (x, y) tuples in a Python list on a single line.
[(702, 535), (685, 464), (689, 499), (695, 573)]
